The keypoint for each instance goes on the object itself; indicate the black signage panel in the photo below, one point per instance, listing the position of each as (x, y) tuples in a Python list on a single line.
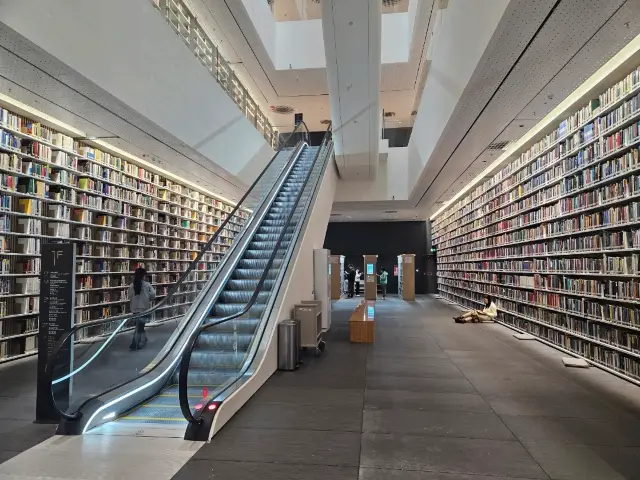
[(57, 301)]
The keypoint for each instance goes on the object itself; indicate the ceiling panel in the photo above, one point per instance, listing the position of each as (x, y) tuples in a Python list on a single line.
[(519, 24), (554, 47), (602, 42)]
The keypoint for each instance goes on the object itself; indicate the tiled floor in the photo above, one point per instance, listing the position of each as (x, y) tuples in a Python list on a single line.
[(430, 400)]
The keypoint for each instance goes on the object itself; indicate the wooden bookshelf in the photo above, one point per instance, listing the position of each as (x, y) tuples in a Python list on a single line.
[(119, 215), (407, 276), (554, 236)]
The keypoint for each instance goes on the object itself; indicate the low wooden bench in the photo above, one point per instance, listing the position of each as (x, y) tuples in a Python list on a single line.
[(362, 323)]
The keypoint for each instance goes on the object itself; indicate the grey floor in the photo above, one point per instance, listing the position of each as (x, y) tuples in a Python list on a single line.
[(18, 409), (18, 386), (430, 400)]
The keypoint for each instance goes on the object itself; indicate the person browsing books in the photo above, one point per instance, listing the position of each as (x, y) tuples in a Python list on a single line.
[(487, 314)]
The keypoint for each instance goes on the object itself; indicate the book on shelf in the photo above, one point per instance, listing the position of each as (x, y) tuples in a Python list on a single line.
[(553, 235)]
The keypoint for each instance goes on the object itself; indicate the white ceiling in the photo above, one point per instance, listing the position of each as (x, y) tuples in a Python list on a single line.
[(292, 10), (307, 90)]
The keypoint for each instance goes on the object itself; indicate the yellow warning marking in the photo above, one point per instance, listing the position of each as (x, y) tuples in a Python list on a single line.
[(160, 406), (160, 419)]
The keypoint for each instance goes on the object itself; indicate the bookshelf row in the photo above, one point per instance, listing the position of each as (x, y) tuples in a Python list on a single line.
[(118, 215), (616, 349), (554, 236), (599, 117)]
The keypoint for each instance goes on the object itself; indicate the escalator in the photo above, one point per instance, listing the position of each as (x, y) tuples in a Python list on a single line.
[(219, 354), (213, 350)]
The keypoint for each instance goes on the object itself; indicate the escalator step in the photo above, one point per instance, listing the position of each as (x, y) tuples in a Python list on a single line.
[(224, 341), (202, 359), (234, 285), (197, 376), (240, 325), (235, 296), (247, 274), (271, 237), (260, 263), (226, 309)]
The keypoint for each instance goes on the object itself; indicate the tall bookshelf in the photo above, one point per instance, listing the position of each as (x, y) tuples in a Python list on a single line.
[(554, 236), (117, 213)]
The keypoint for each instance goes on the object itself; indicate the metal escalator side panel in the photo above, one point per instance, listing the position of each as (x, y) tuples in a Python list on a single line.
[(102, 410)]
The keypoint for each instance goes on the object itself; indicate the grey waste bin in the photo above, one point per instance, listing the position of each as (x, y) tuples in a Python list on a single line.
[(288, 344)]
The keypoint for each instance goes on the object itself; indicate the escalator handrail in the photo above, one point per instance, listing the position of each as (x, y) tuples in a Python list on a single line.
[(53, 357), (186, 355)]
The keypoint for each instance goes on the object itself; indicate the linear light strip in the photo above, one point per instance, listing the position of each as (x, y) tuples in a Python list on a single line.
[(552, 117), (143, 163)]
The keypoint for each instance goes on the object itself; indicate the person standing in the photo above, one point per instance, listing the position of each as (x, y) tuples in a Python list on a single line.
[(358, 280), (384, 278), (141, 294), (351, 279)]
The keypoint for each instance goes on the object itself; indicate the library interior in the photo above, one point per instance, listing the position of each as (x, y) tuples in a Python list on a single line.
[(320, 239)]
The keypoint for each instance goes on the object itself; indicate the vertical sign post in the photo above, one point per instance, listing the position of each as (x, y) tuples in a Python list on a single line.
[(57, 301)]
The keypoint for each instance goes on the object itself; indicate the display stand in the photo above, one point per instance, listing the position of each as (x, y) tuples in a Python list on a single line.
[(407, 276), (336, 274), (370, 277)]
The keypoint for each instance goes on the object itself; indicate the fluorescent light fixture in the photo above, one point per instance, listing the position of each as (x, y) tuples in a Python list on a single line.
[(607, 69), (74, 132), (109, 416)]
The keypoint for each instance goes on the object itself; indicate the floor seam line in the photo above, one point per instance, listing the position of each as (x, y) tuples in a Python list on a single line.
[(495, 413)]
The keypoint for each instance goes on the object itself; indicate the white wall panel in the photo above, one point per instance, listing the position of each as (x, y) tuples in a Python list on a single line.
[(465, 31), (391, 182), (135, 57), (300, 45)]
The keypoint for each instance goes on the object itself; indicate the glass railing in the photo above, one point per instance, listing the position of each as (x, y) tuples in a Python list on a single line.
[(239, 334), (180, 18), (79, 371)]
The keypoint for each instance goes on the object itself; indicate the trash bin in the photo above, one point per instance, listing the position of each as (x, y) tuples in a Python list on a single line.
[(288, 345)]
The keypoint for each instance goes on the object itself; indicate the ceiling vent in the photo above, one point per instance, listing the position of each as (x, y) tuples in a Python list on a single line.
[(281, 109), (389, 114), (390, 3), (391, 211), (498, 145), (325, 122)]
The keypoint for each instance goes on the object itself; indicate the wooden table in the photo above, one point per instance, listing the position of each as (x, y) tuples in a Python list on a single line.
[(362, 323)]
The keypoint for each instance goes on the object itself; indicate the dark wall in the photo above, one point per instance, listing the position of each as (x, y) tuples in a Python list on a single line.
[(385, 239), (398, 137)]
